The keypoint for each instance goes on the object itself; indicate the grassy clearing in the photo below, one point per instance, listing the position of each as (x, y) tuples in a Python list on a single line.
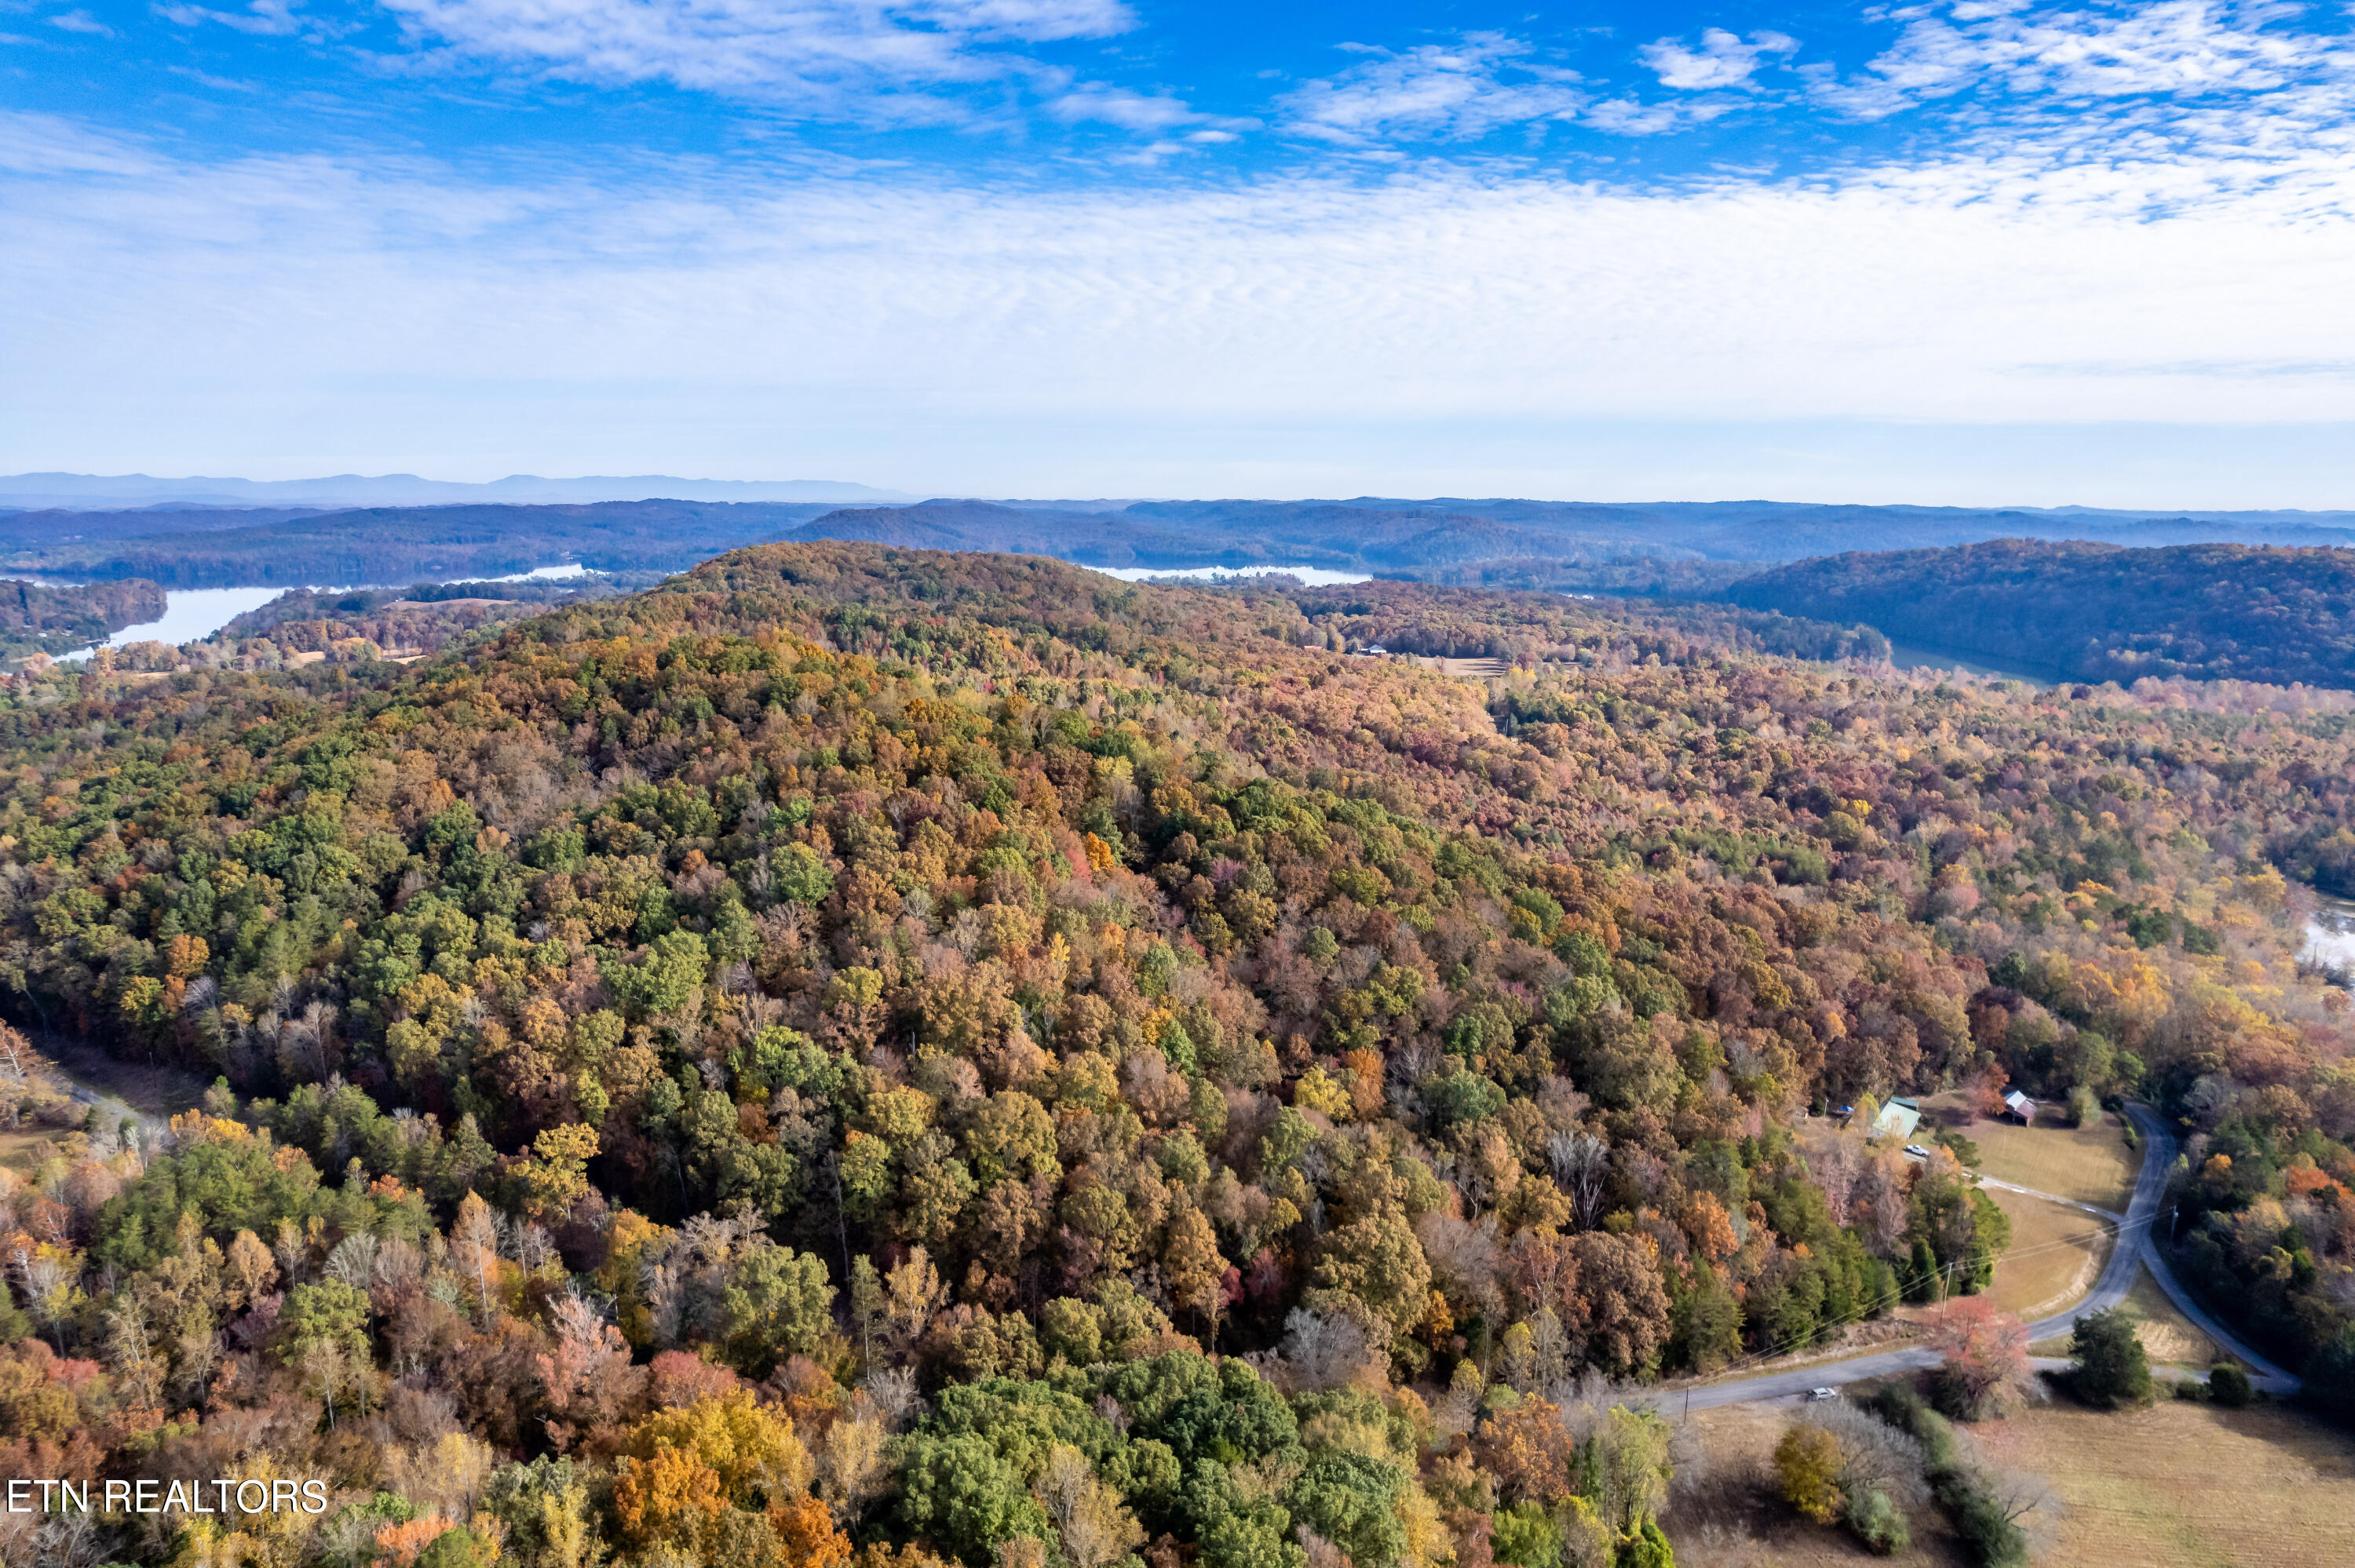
[(1467, 669), (2090, 1164), (2167, 1335), (23, 1148), (2056, 1255), (2175, 1486), (2183, 1484), (152, 1090)]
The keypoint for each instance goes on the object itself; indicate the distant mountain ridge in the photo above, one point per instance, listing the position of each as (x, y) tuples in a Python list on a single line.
[(2090, 611), (1681, 549), (80, 492)]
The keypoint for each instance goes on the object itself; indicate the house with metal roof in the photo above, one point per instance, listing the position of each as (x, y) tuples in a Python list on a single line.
[(1897, 1120)]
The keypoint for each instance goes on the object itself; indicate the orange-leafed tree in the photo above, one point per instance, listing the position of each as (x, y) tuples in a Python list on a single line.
[(1985, 1374)]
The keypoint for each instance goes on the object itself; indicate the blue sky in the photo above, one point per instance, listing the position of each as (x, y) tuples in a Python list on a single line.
[(1981, 252)]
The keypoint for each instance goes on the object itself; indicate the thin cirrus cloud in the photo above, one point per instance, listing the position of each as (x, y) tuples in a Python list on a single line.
[(849, 58), (1457, 91), (260, 18), (1154, 114), (1506, 293), (247, 310), (1486, 82)]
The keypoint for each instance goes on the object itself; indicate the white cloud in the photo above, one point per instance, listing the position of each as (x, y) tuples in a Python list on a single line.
[(1434, 91), (858, 59), (1119, 106), (79, 21), (1723, 59), (1150, 113), (2178, 48), (335, 303), (269, 18)]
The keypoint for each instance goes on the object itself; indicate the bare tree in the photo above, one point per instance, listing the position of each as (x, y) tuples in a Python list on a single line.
[(1463, 1255), (893, 1392), (1096, 1529), (1874, 1456), (1326, 1349), (1836, 1170), (353, 1261), (2027, 1500), (1581, 1161)]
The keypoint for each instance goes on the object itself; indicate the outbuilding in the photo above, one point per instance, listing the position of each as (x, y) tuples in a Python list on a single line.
[(2021, 1105)]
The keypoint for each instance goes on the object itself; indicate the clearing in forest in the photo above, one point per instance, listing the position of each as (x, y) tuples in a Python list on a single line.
[(2183, 1483), (2089, 1165), (2055, 1256)]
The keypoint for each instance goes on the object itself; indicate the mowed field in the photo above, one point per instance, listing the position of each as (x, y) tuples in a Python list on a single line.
[(1467, 669), (2167, 1336), (153, 1092), (2089, 1165), (2175, 1486), (2184, 1486), (2056, 1255)]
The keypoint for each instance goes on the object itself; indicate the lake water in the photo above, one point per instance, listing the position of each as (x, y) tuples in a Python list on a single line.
[(562, 574), (1313, 577), (2330, 937), (189, 614), (1907, 657), (193, 614)]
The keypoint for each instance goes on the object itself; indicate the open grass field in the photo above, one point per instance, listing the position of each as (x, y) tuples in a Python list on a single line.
[(2166, 1334), (1467, 669), (2056, 1255), (2091, 1164), (2177, 1485), (23, 1148), (2184, 1486), (57, 1068), (152, 1090)]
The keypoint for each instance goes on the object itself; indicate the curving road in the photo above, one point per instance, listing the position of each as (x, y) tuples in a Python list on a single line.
[(2133, 1250), (2162, 1146)]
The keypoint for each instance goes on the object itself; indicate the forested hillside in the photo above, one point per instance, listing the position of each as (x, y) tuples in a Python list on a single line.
[(367, 623), (394, 544), (2095, 612), (43, 617), (955, 1059)]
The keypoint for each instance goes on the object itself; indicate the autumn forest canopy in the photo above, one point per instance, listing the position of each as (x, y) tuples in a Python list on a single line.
[(864, 1054)]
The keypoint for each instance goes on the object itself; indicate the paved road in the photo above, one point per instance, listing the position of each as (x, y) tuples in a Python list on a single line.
[(2133, 1250), (2161, 1146)]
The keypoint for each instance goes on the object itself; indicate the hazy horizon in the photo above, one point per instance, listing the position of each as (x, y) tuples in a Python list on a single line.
[(138, 490), (1956, 253)]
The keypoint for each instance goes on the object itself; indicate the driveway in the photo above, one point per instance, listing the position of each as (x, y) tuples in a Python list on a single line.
[(2133, 1250)]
